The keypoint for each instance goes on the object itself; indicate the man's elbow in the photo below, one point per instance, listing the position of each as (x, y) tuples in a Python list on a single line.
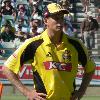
[(5, 70), (90, 73)]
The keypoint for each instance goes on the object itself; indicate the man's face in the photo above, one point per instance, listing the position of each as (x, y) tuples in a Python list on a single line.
[(7, 29), (55, 22), (35, 22)]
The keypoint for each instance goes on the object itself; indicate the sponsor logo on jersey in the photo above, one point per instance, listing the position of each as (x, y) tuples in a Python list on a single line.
[(67, 55), (58, 65)]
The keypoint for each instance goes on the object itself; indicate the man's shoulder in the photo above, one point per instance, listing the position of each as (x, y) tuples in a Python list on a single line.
[(72, 39), (32, 43), (34, 39), (75, 42)]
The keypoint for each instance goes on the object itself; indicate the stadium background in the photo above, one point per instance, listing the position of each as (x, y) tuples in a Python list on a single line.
[(93, 91)]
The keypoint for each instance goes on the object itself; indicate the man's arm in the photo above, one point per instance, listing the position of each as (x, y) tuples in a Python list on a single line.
[(30, 94), (85, 82)]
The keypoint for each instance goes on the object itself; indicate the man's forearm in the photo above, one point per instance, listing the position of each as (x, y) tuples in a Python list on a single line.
[(85, 81), (78, 94), (13, 78)]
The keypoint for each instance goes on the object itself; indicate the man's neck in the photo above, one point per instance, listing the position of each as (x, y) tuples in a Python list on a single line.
[(55, 37)]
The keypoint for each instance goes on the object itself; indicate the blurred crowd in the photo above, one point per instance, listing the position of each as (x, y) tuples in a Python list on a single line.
[(19, 19), (23, 19)]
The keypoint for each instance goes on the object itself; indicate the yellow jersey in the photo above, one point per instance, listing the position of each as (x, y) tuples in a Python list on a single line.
[(54, 67)]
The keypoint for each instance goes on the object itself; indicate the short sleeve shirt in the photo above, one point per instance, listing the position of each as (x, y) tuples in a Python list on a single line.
[(55, 67)]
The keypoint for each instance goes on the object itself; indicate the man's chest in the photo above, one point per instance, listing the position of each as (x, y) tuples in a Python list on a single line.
[(57, 58)]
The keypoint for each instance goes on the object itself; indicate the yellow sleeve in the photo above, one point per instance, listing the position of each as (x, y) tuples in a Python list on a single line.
[(14, 61), (90, 66)]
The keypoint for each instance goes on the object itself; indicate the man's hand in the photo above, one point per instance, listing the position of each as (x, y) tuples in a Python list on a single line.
[(34, 95), (29, 94), (77, 95)]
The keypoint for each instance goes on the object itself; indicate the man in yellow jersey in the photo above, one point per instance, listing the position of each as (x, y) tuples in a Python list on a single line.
[(54, 57)]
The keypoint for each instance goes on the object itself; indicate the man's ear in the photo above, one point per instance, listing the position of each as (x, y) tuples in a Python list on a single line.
[(45, 21)]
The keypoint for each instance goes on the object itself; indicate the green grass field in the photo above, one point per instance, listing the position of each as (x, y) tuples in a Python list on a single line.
[(11, 93), (17, 97)]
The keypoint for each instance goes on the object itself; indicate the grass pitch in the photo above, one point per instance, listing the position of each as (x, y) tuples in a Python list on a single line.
[(19, 97)]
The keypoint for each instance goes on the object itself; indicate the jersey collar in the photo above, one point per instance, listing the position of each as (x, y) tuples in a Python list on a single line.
[(47, 40)]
